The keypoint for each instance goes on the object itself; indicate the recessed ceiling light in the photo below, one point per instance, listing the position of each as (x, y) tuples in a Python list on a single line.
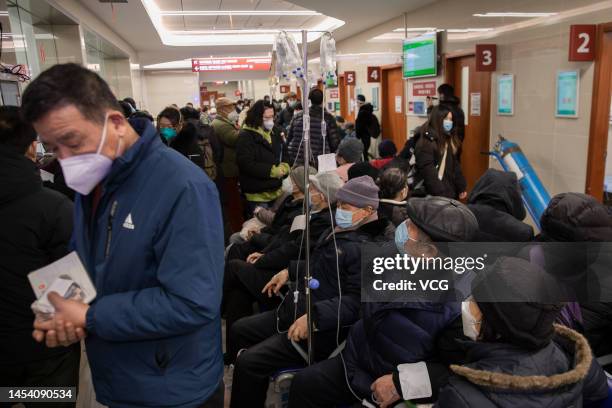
[(414, 29), (469, 30), (515, 14), (240, 13)]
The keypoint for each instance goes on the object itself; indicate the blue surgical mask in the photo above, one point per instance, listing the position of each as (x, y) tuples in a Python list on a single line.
[(344, 218), (447, 125), (168, 133), (402, 235)]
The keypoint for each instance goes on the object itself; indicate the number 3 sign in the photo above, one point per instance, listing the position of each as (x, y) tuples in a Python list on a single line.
[(582, 42), (486, 57)]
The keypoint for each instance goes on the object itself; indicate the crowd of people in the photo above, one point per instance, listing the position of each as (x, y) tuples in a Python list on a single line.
[(194, 219)]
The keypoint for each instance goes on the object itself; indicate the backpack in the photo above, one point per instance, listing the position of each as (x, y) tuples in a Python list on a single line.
[(208, 159)]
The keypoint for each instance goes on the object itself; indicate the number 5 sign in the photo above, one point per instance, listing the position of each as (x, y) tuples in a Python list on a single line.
[(373, 74), (582, 42), (486, 57), (350, 77)]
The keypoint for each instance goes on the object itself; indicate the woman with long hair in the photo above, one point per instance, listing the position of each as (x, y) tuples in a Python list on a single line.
[(437, 155)]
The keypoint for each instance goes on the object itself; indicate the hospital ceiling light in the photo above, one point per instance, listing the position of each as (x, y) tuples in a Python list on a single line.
[(306, 13), (515, 14)]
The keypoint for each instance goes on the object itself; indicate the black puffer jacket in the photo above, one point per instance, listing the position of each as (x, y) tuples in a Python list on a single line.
[(562, 374), (284, 117), (281, 252), (36, 225), (294, 138), (255, 158), (428, 160), (366, 126), (496, 202), (325, 299), (576, 217)]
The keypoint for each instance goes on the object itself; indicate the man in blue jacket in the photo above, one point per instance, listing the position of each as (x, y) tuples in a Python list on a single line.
[(148, 229)]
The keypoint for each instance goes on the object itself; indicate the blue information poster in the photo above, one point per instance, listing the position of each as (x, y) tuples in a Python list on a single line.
[(567, 94), (505, 94)]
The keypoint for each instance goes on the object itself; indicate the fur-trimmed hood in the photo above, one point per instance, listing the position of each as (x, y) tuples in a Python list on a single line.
[(500, 380), (560, 375)]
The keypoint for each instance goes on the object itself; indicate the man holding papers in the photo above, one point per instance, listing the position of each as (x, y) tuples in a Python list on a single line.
[(148, 230)]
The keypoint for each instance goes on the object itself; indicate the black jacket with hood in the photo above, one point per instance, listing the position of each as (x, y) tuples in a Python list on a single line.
[(496, 202), (429, 158), (576, 217), (366, 126), (499, 375), (36, 225)]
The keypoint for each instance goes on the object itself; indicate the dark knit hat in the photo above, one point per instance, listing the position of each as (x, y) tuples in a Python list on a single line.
[(387, 148), (297, 176), (360, 192), (442, 219), (362, 169), (351, 150), (528, 307)]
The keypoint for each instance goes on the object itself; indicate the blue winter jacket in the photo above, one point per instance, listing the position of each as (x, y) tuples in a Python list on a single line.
[(390, 334), (155, 254)]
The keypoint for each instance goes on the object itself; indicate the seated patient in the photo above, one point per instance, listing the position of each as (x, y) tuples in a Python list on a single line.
[(244, 280), (518, 356), (390, 334), (277, 222), (496, 202), (269, 346)]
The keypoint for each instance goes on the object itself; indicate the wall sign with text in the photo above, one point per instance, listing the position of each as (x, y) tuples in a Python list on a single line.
[(373, 74), (568, 91), (582, 42), (486, 57), (505, 94), (427, 88), (351, 78)]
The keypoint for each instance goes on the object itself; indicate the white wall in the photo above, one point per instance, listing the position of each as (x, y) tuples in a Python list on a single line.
[(167, 87), (557, 148)]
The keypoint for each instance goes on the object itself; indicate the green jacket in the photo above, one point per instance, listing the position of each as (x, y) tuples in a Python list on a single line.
[(228, 135)]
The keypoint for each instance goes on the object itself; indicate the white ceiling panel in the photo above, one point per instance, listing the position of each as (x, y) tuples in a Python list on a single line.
[(169, 4)]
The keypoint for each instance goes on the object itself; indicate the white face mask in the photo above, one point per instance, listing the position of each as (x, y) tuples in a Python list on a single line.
[(469, 321), (85, 171), (268, 124)]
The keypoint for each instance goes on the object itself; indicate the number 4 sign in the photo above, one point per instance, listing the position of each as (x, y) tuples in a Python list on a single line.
[(582, 42), (486, 57), (373, 74)]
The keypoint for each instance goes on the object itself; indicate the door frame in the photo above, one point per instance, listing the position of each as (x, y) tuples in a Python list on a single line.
[(342, 96), (449, 73), (383, 98), (600, 113)]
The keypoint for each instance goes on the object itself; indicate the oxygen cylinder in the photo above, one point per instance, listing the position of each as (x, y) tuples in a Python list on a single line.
[(512, 158)]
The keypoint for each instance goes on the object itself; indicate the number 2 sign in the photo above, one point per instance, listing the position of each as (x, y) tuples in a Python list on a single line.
[(373, 74), (486, 57), (582, 42)]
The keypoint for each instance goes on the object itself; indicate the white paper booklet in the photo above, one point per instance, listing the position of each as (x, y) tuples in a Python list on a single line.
[(66, 276)]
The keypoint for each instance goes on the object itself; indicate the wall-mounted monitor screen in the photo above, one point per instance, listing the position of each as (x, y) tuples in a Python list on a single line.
[(420, 56)]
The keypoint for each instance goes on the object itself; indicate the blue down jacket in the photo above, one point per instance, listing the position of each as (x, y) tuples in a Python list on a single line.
[(154, 250), (390, 334)]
